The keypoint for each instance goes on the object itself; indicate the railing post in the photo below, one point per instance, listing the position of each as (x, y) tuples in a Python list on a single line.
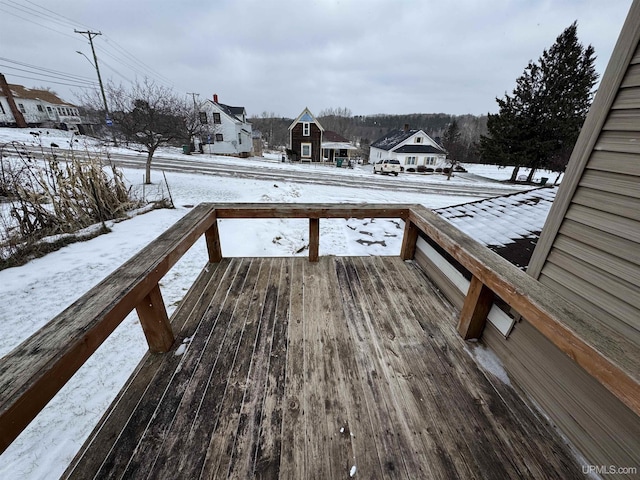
[(408, 250), (212, 236), (314, 239), (477, 304), (155, 322)]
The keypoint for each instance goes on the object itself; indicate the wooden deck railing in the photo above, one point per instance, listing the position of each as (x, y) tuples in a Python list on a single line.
[(32, 374)]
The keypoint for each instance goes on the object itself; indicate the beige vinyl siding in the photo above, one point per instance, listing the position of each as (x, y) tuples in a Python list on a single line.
[(624, 163), (598, 424), (600, 271), (589, 253), (598, 239)]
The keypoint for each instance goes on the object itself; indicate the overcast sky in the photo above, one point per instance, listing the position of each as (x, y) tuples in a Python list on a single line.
[(371, 56)]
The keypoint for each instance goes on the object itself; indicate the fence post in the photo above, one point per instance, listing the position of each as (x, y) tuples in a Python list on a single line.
[(155, 321), (477, 304), (408, 250), (314, 239), (212, 237)]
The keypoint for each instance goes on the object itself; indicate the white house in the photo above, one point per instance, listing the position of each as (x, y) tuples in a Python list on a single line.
[(226, 129), (35, 108), (411, 147)]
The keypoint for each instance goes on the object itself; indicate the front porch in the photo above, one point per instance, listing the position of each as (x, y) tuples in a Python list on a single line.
[(284, 368), (311, 368)]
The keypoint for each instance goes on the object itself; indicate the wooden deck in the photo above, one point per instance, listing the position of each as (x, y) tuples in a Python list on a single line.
[(283, 368)]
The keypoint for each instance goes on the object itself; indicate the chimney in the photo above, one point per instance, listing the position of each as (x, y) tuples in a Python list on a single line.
[(17, 114), (215, 97), (406, 127)]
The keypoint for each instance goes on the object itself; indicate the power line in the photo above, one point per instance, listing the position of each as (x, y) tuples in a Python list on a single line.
[(53, 81), (70, 22), (115, 71), (113, 49), (48, 75), (34, 13), (39, 24), (47, 70), (133, 58)]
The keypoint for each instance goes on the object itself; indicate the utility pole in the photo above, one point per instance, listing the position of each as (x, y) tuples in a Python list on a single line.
[(194, 95), (90, 36), (196, 118)]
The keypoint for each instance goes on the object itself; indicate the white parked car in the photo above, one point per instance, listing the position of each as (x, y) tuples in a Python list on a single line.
[(387, 166)]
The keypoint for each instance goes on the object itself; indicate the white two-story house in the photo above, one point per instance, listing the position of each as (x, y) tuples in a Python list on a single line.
[(225, 129), (411, 147)]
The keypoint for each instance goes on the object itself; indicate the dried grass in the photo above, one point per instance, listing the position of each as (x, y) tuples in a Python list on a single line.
[(52, 194)]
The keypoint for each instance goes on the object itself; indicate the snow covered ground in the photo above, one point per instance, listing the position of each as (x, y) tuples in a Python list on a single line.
[(32, 294)]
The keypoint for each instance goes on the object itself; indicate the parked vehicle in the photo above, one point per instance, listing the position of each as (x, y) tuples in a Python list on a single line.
[(387, 166)]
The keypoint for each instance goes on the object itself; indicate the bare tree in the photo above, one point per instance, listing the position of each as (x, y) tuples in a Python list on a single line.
[(150, 115)]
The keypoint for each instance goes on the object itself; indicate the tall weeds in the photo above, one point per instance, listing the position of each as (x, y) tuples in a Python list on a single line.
[(51, 194)]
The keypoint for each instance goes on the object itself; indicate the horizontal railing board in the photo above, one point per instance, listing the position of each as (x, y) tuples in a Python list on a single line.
[(33, 372), (38, 368), (311, 210), (538, 304)]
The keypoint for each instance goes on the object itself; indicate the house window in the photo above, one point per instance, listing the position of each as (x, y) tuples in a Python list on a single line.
[(2, 108), (49, 109), (21, 107), (240, 138), (203, 117), (418, 139), (429, 160), (216, 118), (410, 161), (40, 109), (305, 150), (306, 129), (219, 137)]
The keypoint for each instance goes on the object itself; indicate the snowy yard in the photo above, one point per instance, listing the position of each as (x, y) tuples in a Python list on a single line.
[(33, 294)]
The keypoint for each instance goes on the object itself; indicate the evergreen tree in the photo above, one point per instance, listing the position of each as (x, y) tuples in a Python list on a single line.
[(570, 75), (538, 124)]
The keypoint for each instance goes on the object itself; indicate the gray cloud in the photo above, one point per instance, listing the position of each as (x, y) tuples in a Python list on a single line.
[(372, 56)]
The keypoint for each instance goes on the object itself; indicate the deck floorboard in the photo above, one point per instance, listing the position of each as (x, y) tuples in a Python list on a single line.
[(284, 368)]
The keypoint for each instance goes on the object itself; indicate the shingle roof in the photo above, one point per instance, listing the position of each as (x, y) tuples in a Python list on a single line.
[(20, 91), (420, 149), (392, 139), (232, 111), (509, 225), (330, 136)]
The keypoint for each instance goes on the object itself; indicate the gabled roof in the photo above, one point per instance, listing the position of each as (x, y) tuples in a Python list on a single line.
[(234, 112), (335, 141), (393, 139), (20, 91), (331, 136), (509, 225), (306, 116)]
